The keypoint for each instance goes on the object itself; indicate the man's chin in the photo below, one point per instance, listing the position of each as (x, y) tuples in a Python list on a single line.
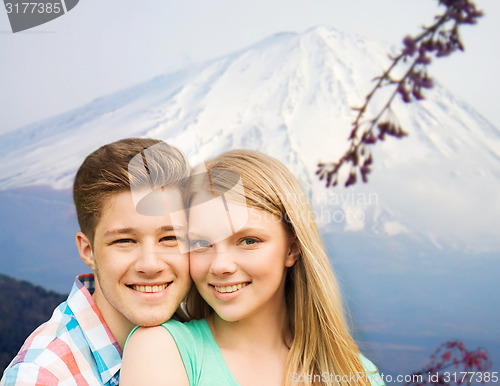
[(152, 321), (151, 324)]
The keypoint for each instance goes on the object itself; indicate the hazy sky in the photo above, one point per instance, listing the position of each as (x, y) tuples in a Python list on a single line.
[(103, 46)]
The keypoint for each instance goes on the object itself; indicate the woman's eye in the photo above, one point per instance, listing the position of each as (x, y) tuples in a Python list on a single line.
[(249, 241), (199, 245), (169, 239)]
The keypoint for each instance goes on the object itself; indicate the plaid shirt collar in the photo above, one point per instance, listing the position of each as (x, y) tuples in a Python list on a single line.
[(102, 343)]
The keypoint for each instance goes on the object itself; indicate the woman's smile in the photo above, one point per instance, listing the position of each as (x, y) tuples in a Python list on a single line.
[(242, 274), (229, 288)]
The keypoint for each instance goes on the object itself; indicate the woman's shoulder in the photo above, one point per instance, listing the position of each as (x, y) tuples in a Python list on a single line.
[(151, 355), (193, 324), (371, 371), (146, 334), (172, 334), (195, 328), (192, 338)]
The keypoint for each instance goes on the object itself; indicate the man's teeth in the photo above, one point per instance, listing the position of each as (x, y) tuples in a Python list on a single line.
[(149, 288), (230, 288)]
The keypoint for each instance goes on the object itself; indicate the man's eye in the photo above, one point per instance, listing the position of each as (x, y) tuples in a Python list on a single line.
[(123, 241), (171, 240)]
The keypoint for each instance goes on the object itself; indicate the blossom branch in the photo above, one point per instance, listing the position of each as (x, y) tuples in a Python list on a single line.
[(454, 355), (440, 39)]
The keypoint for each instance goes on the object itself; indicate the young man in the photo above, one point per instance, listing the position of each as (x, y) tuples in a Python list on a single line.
[(129, 203)]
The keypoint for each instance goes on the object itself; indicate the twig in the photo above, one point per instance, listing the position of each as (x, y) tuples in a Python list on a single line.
[(440, 39)]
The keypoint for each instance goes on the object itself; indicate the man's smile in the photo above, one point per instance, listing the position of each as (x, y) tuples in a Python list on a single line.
[(149, 288)]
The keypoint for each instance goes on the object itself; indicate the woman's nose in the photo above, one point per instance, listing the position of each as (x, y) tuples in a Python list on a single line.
[(222, 263)]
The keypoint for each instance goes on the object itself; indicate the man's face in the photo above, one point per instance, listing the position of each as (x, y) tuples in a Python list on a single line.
[(141, 262)]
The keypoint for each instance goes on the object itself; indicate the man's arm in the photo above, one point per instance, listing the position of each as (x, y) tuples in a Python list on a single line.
[(28, 374)]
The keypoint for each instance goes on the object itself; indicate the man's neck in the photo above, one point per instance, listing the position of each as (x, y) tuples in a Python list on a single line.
[(119, 326)]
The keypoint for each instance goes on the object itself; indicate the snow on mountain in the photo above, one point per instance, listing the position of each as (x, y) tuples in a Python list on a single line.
[(290, 96)]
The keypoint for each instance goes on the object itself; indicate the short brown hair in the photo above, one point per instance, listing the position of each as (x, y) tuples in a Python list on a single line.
[(108, 171)]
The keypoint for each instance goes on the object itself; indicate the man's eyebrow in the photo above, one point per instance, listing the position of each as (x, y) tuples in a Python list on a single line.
[(170, 228), (133, 231), (120, 231)]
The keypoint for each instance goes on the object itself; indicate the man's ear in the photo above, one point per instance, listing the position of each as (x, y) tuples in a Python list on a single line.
[(293, 252), (85, 249)]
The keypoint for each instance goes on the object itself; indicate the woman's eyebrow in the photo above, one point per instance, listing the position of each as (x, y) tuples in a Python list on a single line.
[(196, 234), (253, 229)]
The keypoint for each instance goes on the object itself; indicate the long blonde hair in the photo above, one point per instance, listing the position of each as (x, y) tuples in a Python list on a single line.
[(322, 345)]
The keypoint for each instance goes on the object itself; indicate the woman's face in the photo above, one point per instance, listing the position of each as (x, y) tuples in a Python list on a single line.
[(238, 258)]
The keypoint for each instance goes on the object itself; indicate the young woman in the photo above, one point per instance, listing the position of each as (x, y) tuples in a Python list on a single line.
[(266, 307)]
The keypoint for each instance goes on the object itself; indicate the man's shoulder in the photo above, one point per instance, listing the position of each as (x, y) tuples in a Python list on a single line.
[(65, 347), (61, 328), (45, 352)]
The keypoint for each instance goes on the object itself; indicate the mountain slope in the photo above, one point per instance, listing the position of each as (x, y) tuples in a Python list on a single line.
[(23, 307), (290, 96), (415, 249)]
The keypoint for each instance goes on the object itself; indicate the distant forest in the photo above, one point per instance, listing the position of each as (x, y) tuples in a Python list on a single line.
[(23, 307)]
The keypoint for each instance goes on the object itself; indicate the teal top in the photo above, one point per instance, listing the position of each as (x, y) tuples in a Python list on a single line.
[(203, 360)]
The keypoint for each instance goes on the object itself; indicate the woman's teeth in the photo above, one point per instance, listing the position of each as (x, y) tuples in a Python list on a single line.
[(230, 288)]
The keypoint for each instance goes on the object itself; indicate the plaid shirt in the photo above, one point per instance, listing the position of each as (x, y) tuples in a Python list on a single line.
[(75, 347)]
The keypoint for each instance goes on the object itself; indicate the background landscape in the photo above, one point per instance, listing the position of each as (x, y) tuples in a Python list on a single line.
[(416, 249)]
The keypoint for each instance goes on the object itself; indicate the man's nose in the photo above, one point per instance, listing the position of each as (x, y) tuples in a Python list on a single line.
[(151, 260)]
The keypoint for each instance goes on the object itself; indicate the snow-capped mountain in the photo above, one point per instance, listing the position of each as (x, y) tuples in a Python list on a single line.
[(290, 96)]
